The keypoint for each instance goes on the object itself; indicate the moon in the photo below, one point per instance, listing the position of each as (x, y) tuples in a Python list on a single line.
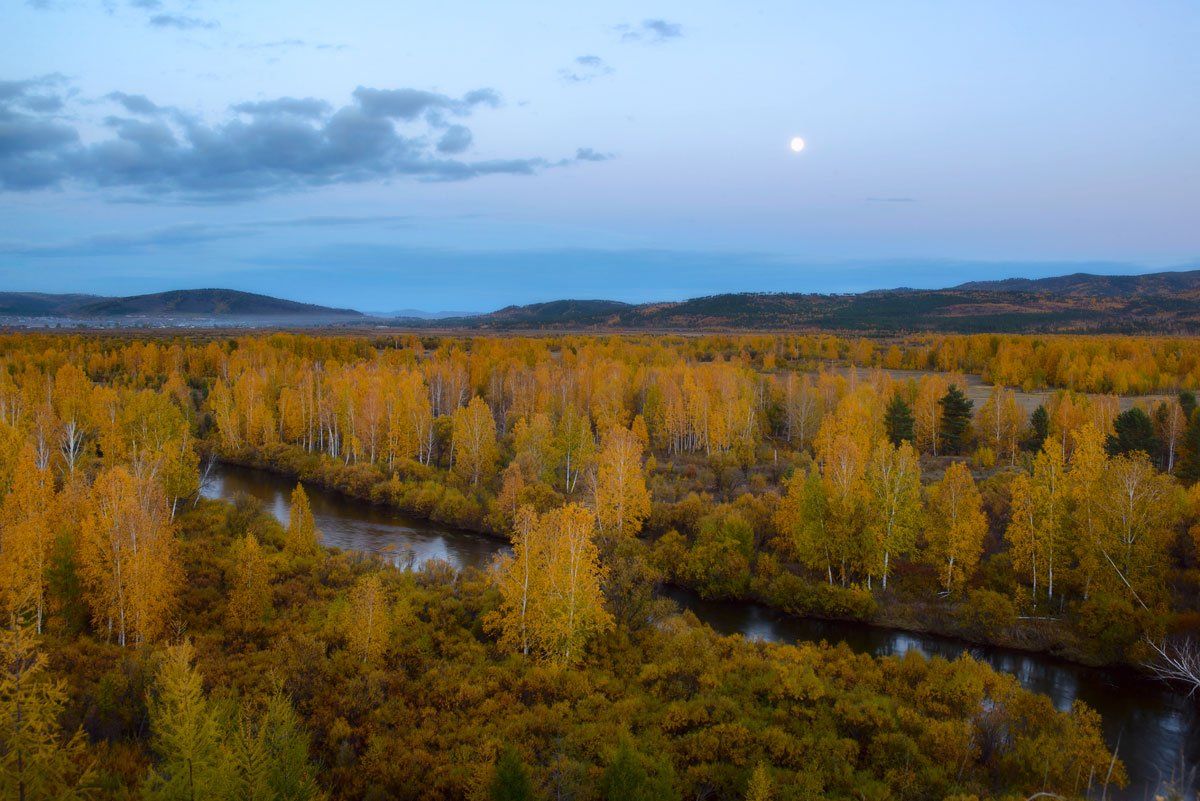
[(797, 144)]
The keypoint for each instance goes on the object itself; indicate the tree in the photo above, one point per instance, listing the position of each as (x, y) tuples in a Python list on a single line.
[(957, 526), (186, 735), (626, 778), (510, 780), (25, 540), (368, 619), (1000, 423), (301, 537), (898, 420), (1037, 531), (473, 441), (1039, 428), (893, 485), (291, 775), (1133, 431), (1189, 450), (551, 598), (802, 519), (249, 582), (620, 496), (927, 413), (1170, 422), (127, 557), (956, 420), (760, 788), (38, 760)]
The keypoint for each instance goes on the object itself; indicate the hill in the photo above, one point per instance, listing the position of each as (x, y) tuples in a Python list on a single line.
[(180, 306), (1167, 303)]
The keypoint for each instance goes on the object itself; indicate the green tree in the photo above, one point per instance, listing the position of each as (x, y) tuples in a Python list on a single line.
[(1189, 450), (627, 778), (1039, 428), (898, 420), (1133, 431), (187, 736), (510, 781), (37, 759), (956, 420)]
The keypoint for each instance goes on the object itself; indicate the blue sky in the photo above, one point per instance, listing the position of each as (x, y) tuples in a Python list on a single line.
[(469, 155)]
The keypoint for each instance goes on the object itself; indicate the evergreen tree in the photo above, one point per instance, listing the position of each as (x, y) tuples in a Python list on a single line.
[(1039, 428), (760, 788), (898, 420), (301, 538), (627, 778), (1187, 402), (1134, 432), (956, 420), (1189, 450), (511, 781), (36, 759)]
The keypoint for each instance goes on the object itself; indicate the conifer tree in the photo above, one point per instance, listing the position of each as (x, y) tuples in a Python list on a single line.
[(38, 760), (510, 781), (761, 787), (301, 538), (898, 420), (1133, 430), (249, 583), (956, 420)]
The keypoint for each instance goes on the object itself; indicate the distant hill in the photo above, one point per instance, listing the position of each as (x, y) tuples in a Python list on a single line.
[(1166, 302), (206, 302), (182, 305)]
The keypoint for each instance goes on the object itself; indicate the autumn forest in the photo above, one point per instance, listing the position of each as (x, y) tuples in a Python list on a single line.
[(1038, 494)]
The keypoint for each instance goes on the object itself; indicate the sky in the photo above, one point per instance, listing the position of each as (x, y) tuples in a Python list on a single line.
[(464, 156)]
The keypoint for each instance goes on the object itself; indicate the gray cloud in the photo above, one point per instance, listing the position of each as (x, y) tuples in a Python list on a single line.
[(185, 234), (309, 107), (650, 31), (456, 139), (588, 154), (267, 146), (134, 104), (182, 22), (585, 68)]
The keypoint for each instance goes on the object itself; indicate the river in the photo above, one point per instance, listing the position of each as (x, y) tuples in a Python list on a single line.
[(1155, 728)]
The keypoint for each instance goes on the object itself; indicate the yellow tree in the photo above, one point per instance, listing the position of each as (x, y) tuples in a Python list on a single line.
[(551, 599), (522, 580), (999, 422), (957, 525), (927, 413), (575, 612), (803, 520), (368, 619), (474, 440), (1139, 509), (25, 539), (37, 759), (620, 496), (1037, 529), (249, 581), (127, 560), (1085, 522), (301, 537), (893, 486)]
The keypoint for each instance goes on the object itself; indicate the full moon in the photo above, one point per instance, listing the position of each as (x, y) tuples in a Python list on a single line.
[(797, 144)]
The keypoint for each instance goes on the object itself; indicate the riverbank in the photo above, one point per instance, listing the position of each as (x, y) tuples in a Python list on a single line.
[(984, 618)]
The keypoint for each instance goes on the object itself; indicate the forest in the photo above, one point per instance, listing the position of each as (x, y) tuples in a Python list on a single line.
[(159, 645)]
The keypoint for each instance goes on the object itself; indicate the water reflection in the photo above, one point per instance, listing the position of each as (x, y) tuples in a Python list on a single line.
[(1158, 729)]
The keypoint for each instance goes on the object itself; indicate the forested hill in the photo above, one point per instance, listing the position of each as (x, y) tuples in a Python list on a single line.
[(178, 304), (1155, 303)]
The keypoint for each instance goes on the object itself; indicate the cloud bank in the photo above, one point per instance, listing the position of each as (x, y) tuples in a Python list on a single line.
[(262, 147)]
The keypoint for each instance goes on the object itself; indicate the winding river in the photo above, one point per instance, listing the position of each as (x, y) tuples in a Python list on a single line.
[(1155, 728)]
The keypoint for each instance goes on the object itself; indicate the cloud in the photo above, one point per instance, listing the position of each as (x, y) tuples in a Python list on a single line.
[(891, 200), (134, 104), (650, 31), (456, 139), (288, 44), (186, 234), (265, 147), (182, 22), (309, 107), (586, 68), (146, 5), (588, 154)]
